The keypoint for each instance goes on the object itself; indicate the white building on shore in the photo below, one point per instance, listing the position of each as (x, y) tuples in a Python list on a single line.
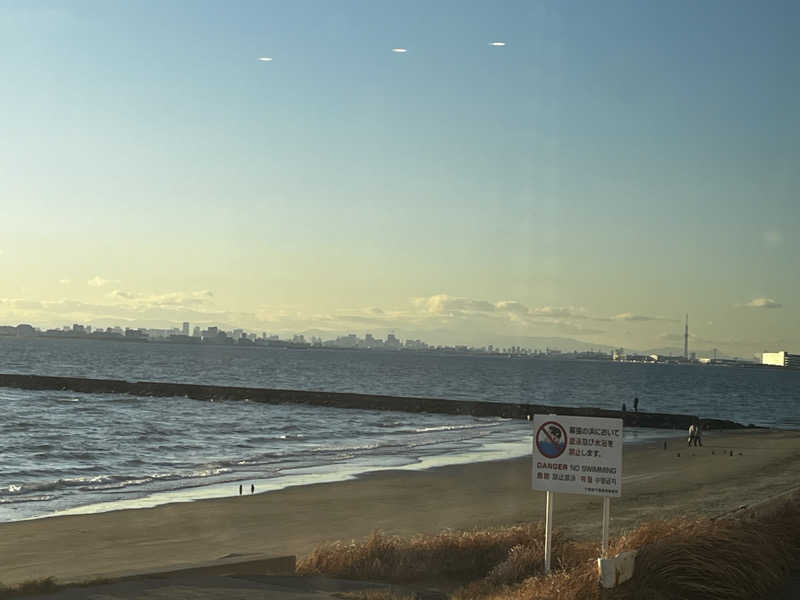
[(781, 359)]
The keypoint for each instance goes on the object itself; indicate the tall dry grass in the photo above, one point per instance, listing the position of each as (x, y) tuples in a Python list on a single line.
[(714, 559), (460, 556), (678, 560), (33, 587)]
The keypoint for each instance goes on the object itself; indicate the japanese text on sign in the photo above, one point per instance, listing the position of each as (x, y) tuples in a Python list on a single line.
[(577, 455)]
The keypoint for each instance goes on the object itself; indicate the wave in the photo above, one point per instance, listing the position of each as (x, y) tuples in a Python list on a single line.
[(454, 427), (15, 500), (107, 482)]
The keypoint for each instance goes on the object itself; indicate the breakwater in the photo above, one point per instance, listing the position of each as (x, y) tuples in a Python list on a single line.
[(348, 400)]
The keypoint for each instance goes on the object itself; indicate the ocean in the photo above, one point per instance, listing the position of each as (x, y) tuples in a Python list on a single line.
[(64, 452)]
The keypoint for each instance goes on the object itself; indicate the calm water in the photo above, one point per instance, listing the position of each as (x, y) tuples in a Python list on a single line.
[(62, 450)]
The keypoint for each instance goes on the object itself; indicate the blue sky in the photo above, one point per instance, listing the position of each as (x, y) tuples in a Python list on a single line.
[(613, 167)]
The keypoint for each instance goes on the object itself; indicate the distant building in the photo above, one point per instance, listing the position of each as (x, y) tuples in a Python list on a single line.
[(781, 359), (25, 330), (185, 329), (196, 331)]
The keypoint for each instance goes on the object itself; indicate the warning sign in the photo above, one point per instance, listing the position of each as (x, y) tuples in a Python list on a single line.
[(577, 455)]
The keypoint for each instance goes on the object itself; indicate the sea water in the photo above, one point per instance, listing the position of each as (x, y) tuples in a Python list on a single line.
[(65, 452)]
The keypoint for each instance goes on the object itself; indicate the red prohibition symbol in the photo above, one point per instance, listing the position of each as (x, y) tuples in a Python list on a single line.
[(551, 439)]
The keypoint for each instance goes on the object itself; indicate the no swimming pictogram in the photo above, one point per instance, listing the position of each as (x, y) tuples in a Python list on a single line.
[(551, 439)]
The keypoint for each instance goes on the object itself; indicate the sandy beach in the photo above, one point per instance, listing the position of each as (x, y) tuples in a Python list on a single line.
[(657, 484)]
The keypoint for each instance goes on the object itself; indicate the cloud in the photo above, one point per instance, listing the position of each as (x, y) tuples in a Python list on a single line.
[(497, 43), (21, 304), (512, 306), (98, 281), (761, 303), (554, 311), (634, 317), (64, 281), (168, 300), (400, 50), (444, 304), (265, 58)]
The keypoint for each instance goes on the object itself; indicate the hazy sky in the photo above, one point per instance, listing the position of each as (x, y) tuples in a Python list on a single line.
[(614, 166)]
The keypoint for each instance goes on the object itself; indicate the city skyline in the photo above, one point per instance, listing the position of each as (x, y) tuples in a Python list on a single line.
[(540, 170), (369, 340)]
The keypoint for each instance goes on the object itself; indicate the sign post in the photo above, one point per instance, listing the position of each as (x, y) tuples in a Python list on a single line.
[(577, 455), (606, 524), (548, 530)]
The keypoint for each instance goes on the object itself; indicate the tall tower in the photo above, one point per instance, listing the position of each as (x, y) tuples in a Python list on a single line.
[(686, 338)]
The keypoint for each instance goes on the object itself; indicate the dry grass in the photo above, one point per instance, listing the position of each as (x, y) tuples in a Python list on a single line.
[(376, 594), (460, 556), (678, 559), (713, 560), (45, 585)]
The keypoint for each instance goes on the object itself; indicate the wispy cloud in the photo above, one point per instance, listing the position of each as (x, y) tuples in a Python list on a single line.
[(761, 303), (444, 304), (497, 44), (98, 281), (265, 58), (64, 281), (634, 317), (400, 50), (168, 300)]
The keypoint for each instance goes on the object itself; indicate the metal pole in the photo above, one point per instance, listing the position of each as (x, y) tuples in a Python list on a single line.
[(548, 531), (606, 523)]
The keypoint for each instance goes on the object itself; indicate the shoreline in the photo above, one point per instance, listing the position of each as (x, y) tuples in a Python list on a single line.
[(733, 468), (491, 451)]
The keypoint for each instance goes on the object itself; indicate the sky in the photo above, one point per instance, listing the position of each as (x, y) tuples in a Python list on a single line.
[(611, 168)]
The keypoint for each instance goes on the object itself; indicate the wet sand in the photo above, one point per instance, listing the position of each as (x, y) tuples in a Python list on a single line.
[(657, 483)]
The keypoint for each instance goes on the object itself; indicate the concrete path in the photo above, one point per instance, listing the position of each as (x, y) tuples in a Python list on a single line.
[(265, 587)]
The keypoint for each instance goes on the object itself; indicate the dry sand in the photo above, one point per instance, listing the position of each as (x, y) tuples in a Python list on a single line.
[(656, 484)]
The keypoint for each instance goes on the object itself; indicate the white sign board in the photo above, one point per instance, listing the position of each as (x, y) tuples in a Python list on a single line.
[(577, 455)]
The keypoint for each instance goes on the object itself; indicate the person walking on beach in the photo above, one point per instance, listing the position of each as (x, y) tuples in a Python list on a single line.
[(240, 489), (252, 488), (698, 435), (636, 404), (692, 434)]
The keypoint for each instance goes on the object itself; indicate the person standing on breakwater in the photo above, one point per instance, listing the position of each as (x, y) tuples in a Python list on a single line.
[(636, 404)]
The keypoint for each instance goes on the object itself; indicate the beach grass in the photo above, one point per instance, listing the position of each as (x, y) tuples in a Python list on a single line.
[(457, 556), (44, 585), (724, 559)]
